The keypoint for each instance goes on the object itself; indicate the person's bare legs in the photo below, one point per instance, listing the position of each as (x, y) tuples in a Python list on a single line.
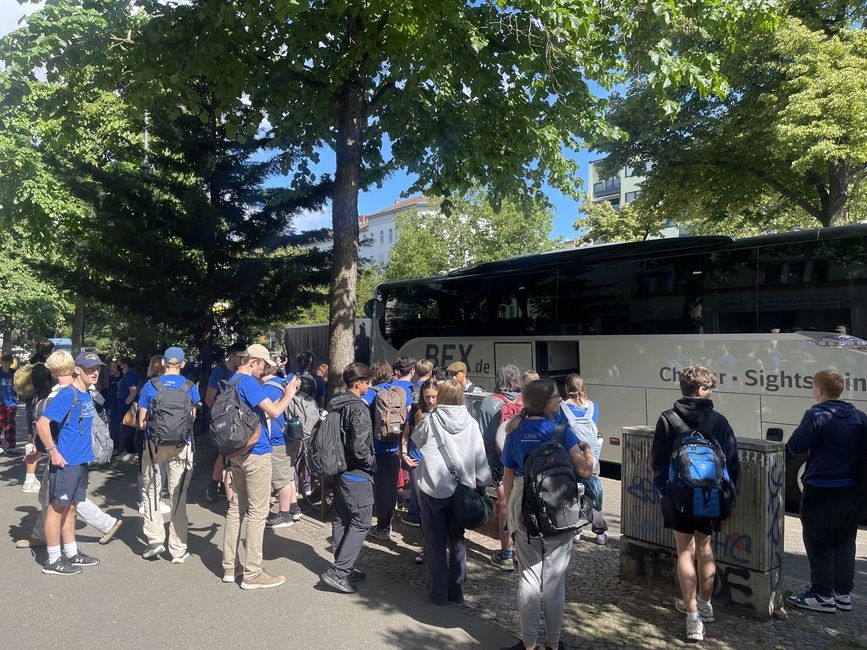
[(706, 566), (54, 519), (67, 531), (217, 473), (686, 572), (503, 516), (284, 496)]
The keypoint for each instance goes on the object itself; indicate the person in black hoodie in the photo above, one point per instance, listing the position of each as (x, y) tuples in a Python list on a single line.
[(693, 537), (353, 489), (832, 432)]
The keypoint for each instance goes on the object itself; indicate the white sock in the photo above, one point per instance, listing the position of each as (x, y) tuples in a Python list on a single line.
[(692, 615), (53, 553), (702, 601), (71, 549), (29, 478)]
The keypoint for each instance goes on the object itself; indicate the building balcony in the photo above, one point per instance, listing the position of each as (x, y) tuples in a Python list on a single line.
[(606, 188)]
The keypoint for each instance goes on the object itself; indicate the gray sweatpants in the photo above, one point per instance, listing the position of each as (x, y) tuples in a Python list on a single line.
[(542, 566)]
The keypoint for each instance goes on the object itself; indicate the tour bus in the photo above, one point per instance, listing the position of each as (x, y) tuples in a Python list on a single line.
[(765, 313)]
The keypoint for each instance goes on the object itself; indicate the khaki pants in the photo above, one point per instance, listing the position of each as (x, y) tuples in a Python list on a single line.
[(179, 464), (251, 481)]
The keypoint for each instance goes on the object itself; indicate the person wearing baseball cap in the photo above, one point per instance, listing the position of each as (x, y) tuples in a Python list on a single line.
[(167, 409), (251, 471), (72, 409)]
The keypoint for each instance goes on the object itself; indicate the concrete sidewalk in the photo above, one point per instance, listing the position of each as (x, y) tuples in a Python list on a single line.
[(129, 602)]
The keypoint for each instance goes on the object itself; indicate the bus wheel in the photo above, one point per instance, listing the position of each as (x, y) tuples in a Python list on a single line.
[(794, 480)]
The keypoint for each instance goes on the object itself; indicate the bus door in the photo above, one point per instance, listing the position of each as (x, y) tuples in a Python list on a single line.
[(556, 359), (519, 353)]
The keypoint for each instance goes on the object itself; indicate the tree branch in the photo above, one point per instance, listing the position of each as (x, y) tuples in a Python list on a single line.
[(379, 96)]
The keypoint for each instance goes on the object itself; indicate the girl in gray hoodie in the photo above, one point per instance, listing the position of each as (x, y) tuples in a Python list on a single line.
[(447, 573)]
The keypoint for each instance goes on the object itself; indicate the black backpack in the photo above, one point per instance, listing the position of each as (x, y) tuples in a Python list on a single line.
[(39, 411), (552, 494), (233, 422), (170, 414), (326, 456)]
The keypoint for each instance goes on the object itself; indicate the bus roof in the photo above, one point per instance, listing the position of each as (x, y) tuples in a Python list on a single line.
[(650, 248)]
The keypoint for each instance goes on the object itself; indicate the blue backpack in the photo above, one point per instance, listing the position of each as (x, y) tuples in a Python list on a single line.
[(699, 485)]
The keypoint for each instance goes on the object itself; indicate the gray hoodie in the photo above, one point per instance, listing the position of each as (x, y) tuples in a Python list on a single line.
[(463, 440)]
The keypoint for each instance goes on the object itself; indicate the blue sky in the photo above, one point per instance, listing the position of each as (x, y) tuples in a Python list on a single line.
[(565, 208)]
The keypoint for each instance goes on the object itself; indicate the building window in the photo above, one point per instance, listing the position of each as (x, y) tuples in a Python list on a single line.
[(629, 172), (390, 235), (381, 236), (631, 196)]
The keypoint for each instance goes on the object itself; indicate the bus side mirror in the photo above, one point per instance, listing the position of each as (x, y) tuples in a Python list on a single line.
[(774, 434), (373, 308)]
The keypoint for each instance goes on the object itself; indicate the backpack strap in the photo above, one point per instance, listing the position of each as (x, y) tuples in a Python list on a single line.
[(156, 383), (676, 423), (443, 450), (187, 386), (559, 433)]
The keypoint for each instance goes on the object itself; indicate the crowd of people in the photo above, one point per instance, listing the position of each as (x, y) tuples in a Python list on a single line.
[(405, 425)]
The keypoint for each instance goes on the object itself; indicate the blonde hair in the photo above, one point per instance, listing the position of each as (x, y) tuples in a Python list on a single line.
[(830, 382), (450, 392), (528, 376), (60, 363), (423, 367)]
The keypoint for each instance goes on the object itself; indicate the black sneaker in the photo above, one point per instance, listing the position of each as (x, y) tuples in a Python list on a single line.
[(280, 520), (339, 584), (60, 567), (81, 559), (356, 576), (295, 511), (211, 491)]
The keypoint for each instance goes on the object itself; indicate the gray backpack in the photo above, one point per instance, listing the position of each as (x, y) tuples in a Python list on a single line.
[(170, 419), (233, 422)]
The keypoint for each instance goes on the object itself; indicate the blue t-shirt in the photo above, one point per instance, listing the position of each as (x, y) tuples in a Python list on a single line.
[(7, 391), (171, 382), (125, 385), (219, 377), (523, 440), (274, 393), (74, 442), (252, 392), (389, 446)]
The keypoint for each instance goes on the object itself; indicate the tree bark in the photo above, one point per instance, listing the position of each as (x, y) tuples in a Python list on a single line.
[(344, 271), (7, 335), (78, 324), (835, 195)]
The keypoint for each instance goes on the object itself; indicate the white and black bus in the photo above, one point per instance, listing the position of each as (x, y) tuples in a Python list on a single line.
[(765, 313)]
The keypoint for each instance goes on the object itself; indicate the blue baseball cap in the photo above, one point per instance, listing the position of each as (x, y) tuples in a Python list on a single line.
[(88, 360), (173, 355)]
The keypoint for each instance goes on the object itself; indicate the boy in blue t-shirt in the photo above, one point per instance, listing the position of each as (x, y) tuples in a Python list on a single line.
[(178, 459), (388, 453), (8, 403), (219, 378), (72, 411), (251, 472)]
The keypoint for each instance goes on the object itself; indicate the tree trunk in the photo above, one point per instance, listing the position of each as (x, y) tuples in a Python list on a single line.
[(835, 195), (344, 272), (78, 324), (7, 335)]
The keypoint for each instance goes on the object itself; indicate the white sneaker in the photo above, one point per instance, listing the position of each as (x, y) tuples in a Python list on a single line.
[(180, 559), (694, 629), (705, 610), (2, 451), (31, 486)]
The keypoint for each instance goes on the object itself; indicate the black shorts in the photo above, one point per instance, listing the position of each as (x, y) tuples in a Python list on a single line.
[(680, 524), (67, 485)]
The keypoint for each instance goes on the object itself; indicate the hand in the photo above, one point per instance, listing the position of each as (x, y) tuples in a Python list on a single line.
[(56, 459), (583, 446), (408, 460), (292, 387)]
